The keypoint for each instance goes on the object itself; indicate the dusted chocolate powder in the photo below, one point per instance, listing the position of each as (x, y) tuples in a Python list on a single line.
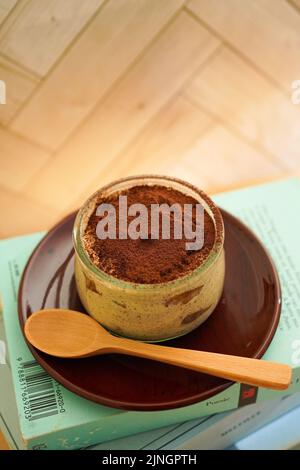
[(147, 261)]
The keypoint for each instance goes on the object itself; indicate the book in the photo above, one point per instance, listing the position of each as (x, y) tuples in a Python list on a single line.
[(214, 432), (9, 422), (281, 434), (60, 419), (217, 431)]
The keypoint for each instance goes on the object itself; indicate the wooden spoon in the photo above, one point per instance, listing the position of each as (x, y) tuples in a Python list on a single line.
[(70, 334)]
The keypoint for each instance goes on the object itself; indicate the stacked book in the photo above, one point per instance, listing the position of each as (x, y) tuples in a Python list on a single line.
[(38, 413)]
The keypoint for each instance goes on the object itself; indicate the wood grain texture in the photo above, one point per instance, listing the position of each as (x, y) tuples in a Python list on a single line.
[(19, 161), (229, 88), (221, 156), (163, 141), (148, 86), (20, 215), (43, 29), (112, 41), (142, 86), (19, 86), (266, 31), (12, 17), (296, 3), (5, 7)]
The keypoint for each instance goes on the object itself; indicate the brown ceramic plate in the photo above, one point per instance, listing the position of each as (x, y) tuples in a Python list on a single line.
[(243, 324)]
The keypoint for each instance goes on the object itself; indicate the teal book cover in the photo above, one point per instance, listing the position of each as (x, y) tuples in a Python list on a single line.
[(53, 417)]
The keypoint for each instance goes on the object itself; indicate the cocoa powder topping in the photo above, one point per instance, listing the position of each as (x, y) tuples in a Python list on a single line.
[(146, 261)]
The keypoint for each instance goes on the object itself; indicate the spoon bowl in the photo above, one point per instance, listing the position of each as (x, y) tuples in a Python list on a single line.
[(67, 333)]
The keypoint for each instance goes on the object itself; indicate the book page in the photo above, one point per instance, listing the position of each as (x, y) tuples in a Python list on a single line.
[(272, 211)]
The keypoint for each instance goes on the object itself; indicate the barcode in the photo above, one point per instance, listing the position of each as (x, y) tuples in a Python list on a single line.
[(39, 397)]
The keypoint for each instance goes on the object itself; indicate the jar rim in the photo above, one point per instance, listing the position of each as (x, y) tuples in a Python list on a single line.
[(149, 180)]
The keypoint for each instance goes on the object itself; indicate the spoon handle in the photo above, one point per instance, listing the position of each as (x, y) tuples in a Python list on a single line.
[(240, 369)]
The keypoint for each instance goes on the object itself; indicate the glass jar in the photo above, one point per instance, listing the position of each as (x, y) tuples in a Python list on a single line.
[(150, 312)]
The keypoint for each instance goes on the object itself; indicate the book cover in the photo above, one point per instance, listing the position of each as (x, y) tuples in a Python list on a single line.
[(217, 431), (281, 434), (214, 432)]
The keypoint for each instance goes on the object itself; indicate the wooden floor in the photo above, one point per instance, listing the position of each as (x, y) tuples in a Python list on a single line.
[(97, 90)]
